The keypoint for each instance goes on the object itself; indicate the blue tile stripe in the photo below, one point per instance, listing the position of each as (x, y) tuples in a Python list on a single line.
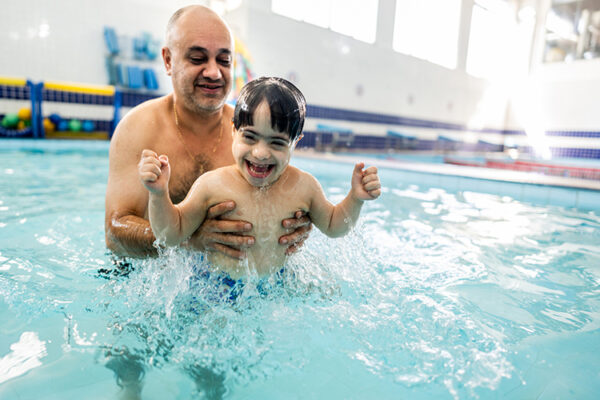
[(14, 92), (359, 116), (61, 96), (327, 141), (132, 99), (585, 134)]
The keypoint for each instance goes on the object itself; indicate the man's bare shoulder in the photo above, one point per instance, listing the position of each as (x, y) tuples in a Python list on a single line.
[(143, 121)]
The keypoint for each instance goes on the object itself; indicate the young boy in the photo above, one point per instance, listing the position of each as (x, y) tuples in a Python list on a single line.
[(268, 121)]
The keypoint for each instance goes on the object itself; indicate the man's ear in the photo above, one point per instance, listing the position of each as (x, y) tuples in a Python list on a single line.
[(166, 55)]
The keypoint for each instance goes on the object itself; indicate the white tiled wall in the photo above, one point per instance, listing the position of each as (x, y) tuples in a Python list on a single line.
[(63, 39), (328, 67)]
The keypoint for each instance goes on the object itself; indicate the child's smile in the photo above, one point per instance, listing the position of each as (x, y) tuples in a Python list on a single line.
[(259, 171)]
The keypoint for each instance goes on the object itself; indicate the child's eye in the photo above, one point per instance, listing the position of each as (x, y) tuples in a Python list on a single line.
[(279, 143)]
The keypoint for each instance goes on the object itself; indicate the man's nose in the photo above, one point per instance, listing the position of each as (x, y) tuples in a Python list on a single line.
[(212, 70)]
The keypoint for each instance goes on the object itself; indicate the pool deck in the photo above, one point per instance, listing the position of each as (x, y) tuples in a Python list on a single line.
[(489, 174), (529, 187)]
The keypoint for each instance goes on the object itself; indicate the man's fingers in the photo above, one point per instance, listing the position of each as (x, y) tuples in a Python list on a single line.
[(298, 236), (293, 248), (219, 209), (226, 226), (231, 252), (294, 223), (231, 240)]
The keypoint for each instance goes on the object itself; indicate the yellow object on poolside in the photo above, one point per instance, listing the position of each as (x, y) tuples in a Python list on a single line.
[(48, 126), (5, 80), (24, 114), (105, 90)]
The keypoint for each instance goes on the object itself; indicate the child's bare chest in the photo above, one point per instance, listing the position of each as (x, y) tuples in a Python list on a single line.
[(265, 210)]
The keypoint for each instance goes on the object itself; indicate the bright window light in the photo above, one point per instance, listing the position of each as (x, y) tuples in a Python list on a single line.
[(355, 18), (499, 44), (428, 29)]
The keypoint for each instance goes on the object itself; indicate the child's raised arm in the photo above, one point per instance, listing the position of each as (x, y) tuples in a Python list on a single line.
[(171, 224), (335, 221)]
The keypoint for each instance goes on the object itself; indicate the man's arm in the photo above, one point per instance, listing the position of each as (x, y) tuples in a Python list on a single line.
[(127, 232)]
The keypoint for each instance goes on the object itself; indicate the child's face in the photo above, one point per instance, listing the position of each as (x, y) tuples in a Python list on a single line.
[(261, 153)]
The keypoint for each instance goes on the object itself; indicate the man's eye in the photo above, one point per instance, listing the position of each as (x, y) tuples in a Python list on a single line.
[(225, 61), (196, 60)]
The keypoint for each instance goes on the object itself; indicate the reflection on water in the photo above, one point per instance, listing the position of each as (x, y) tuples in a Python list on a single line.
[(24, 355), (434, 295)]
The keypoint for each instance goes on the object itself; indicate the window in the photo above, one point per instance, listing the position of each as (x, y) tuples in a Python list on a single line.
[(355, 18), (500, 39), (572, 31), (428, 29)]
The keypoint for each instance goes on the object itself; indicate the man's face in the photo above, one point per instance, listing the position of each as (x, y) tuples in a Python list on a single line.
[(199, 59), (261, 153)]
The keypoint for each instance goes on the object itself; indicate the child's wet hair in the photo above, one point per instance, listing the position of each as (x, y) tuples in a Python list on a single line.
[(286, 105)]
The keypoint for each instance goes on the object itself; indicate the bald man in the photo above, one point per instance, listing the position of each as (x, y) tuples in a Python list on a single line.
[(192, 126)]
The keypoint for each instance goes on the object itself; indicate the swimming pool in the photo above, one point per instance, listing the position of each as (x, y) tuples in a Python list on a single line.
[(439, 293)]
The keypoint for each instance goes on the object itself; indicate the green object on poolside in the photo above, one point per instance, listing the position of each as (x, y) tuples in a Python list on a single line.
[(75, 125), (10, 120)]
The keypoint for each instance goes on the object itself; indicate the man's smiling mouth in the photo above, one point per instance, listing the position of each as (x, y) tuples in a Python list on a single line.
[(209, 87)]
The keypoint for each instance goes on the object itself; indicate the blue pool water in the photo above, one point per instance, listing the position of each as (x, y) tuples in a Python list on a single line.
[(436, 294)]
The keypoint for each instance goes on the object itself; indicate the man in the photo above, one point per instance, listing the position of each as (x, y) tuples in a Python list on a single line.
[(192, 126)]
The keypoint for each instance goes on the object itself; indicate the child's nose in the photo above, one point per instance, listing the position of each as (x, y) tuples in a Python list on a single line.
[(260, 151)]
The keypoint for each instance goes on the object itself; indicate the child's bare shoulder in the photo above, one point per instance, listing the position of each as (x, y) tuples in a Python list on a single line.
[(218, 174), (218, 177), (302, 178), (294, 172), (303, 175)]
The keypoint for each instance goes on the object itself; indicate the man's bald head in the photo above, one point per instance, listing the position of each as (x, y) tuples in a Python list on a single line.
[(201, 14), (198, 55)]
